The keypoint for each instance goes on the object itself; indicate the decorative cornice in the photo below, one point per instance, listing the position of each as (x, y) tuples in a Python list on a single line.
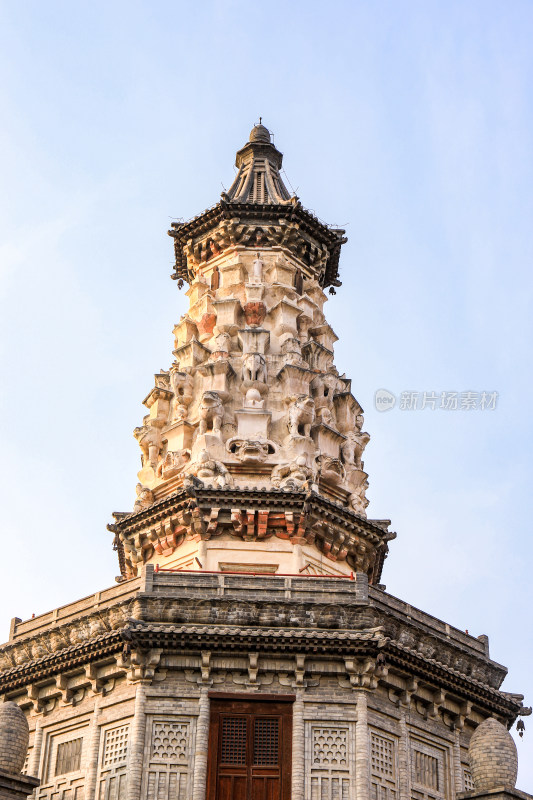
[(230, 496), (66, 659), (273, 217), (327, 641), (301, 516)]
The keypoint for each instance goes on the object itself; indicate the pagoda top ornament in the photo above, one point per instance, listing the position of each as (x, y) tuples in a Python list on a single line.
[(258, 179), (258, 211), (252, 447)]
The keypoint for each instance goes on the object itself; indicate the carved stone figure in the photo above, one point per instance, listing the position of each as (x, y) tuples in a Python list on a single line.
[(251, 451), (209, 470), (323, 388), (325, 416), (211, 413), (181, 384), (149, 439), (173, 463), (357, 499), (330, 469), (301, 415), (180, 411), (257, 269), (222, 341), (356, 441), (254, 368), (145, 497), (292, 351), (293, 475), (254, 313), (215, 279)]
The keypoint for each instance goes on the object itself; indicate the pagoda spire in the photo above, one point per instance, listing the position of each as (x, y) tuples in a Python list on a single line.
[(252, 447), (258, 179)]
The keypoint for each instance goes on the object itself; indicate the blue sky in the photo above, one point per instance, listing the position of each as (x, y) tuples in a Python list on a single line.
[(408, 122)]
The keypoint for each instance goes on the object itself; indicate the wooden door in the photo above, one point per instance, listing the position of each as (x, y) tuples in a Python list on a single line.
[(249, 750)]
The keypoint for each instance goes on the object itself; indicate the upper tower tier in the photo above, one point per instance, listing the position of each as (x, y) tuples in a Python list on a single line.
[(252, 445), (258, 179), (258, 211)]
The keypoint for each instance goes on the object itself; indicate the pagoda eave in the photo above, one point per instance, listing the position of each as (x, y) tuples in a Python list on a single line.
[(264, 214)]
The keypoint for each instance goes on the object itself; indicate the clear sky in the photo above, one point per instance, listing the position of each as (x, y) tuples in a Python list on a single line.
[(408, 122)]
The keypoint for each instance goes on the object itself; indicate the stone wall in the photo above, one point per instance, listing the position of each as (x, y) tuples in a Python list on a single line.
[(149, 742)]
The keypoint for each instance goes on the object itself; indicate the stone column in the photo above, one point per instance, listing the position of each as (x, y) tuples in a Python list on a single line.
[(35, 758), (136, 745), (362, 755), (404, 759), (298, 748), (457, 762), (91, 767), (201, 745)]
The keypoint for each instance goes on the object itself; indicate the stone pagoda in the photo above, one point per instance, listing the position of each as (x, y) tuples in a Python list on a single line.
[(248, 650), (252, 445)]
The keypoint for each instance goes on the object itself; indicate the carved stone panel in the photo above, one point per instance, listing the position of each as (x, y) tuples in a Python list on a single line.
[(330, 761), (112, 777), (168, 755), (65, 755)]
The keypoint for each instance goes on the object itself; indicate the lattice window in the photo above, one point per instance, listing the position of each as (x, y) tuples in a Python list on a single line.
[(329, 761), (115, 746), (170, 741), (233, 745), (383, 783), (468, 780), (330, 747), (426, 769), (68, 756), (166, 771), (382, 755), (266, 742)]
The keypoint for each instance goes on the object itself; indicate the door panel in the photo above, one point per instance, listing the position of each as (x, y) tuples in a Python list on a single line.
[(232, 787), (249, 750)]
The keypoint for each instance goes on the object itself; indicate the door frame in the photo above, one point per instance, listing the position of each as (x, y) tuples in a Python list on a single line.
[(220, 701)]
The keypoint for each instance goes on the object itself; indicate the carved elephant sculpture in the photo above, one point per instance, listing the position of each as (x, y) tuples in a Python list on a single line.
[(301, 415), (254, 368)]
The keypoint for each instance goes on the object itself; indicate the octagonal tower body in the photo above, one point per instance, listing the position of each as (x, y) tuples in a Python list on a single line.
[(252, 450)]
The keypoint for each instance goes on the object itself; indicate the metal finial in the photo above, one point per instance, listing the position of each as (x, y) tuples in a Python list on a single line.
[(260, 118)]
